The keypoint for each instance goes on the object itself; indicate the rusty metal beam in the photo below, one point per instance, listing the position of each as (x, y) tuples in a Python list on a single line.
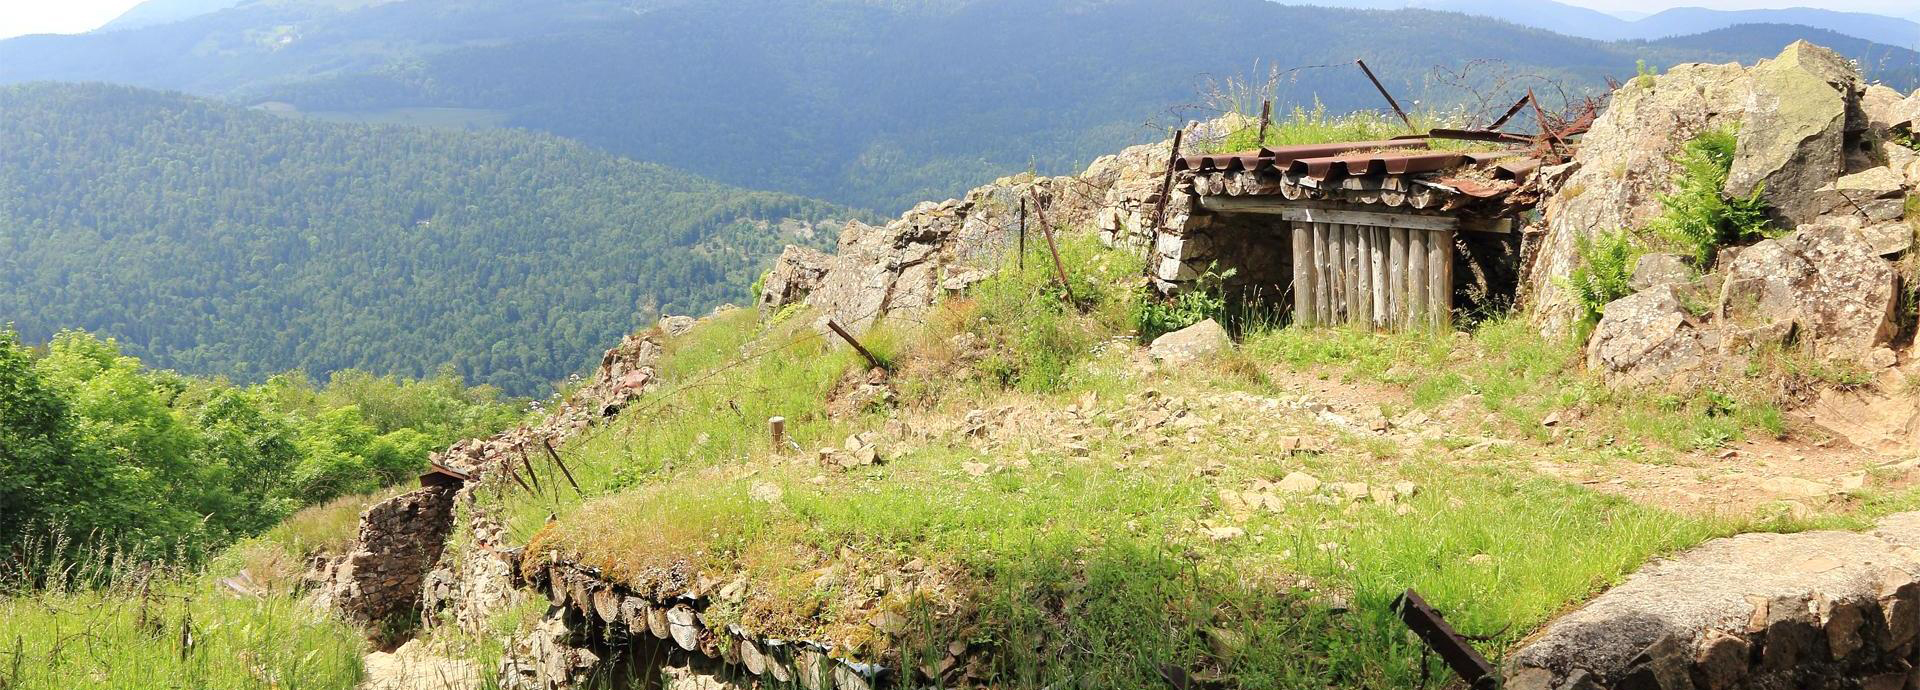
[(1515, 110), (1389, 97), (1441, 638)]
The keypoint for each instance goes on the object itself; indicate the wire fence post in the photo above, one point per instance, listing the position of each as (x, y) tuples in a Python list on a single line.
[(1266, 116), (1389, 97), (1166, 181), (1046, 229)]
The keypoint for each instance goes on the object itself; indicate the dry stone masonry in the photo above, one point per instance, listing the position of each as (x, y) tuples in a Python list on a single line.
[(379, 580), (1808, 610)]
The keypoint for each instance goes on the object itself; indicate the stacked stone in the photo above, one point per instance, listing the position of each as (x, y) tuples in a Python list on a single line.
[(380, 579), (552, 655), (1809, 610)]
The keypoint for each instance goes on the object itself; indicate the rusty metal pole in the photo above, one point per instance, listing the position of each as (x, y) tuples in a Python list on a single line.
[(1166, 181), (857, 347), (1058, 266), (529, 463), (563, 466), (1023, 235), (1266, 116), (1515, 110), (1389, 97)]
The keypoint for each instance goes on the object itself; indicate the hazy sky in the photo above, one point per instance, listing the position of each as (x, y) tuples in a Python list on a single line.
[(73, 16)]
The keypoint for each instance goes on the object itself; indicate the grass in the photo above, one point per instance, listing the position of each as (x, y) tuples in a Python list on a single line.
[(160, 630), (277, 558), (1522, 378), (1315, 125), (1077, 550)]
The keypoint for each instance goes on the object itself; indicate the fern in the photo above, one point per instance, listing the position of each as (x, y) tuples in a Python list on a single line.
[(1604, 271), (1697, 218)]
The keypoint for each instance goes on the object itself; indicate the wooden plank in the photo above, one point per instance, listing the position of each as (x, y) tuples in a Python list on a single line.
[(1417, 278), (1440, 272), (1397, 277), (1302, 274), (1296, 213), (1381, 289), (1337, 277), (1321, 313), (1363, 316)]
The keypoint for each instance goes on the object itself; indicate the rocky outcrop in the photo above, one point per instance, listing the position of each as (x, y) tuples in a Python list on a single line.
[(1624, 164), (903, 267), (1822, 288), (1812, 140), (1808, 610)]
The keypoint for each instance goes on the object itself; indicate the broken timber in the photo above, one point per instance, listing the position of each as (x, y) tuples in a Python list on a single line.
[(857, 347)]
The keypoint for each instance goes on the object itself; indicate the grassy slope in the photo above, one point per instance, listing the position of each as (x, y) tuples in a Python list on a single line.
[(1076, 544)]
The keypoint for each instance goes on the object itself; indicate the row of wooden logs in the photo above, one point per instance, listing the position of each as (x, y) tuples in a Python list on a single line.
[(680, 621), (1391, 190)]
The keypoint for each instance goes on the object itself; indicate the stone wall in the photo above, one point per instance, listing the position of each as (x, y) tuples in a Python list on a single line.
[(1807, 610), (379, 581)]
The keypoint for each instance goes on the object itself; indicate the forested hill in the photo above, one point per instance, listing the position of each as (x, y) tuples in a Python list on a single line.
[(875, 103), (214, 239)]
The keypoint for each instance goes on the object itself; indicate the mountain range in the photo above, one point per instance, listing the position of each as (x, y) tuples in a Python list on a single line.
[(241, 203), (1579, 21), (871, 103)]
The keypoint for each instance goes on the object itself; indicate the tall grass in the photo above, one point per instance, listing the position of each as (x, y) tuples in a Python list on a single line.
[(129, 626)]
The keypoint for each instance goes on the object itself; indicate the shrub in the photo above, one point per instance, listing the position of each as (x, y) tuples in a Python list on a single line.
[(1602, 276), (1697, 218), (1154, 315)]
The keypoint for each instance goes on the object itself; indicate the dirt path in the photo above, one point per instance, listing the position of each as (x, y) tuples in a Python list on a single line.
[(414, 667)]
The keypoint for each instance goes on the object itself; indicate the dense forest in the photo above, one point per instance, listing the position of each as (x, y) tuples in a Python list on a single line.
[(98, 450), (221, 241), (878, 104)]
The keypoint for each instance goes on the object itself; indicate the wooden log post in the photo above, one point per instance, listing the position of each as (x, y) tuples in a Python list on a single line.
[(1397, 277), (1303, 274), (1382, 290), (684, 627), (1364, 238), (1417, 278), (1336, 276), (777, 433), (1322, 271), (1350, 250), (1440, 273)]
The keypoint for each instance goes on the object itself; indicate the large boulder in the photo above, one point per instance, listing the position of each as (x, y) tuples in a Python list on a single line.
[(1624, 164), (1794, 128), (1824, 279), (1649, 338)]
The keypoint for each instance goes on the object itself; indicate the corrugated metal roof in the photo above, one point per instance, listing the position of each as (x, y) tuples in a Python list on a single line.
[(1407, 156)]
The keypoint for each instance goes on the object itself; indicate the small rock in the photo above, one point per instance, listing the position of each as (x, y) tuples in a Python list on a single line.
[(1722, 660), (765, 492), (1299, 483), (1795, 486), (1223, 533), (1191, 343), (977, 469), (1880, 358)]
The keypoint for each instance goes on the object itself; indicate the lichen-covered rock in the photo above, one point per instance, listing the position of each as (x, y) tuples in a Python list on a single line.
[(1876, 195), (1793, 129), (1624, 164), (1659, 269), (1648, 338), (905, 266), (1825, 280)]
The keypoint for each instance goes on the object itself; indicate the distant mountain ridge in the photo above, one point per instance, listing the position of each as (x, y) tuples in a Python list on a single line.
[(1573, 20)]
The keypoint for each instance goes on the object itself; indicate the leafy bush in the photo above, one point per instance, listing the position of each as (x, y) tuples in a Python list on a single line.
[(1697, 217), (1602, 276), (1154, 315)]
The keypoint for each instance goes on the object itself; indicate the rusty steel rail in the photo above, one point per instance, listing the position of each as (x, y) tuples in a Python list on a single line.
[(1454, 649)]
